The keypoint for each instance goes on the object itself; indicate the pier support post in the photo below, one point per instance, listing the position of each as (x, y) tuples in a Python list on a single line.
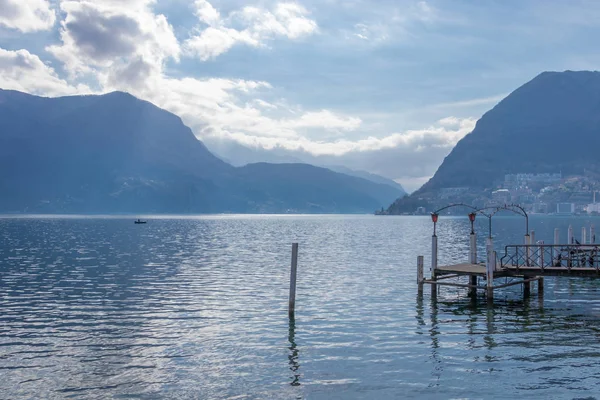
[(526, 287), (490, 266), (570, 235), (530, 249), (434, 263), (473, 249), (473, 282), (541, 286), (527, 249), (592, 235), (420, 275), (583, 235), (556, 242), (292, 304)]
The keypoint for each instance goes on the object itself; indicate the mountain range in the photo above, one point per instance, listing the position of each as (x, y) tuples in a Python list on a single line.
[(115, 153), (551, 124)]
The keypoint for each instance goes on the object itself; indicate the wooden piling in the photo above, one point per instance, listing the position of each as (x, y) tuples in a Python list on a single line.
[(540, 286), (472, 282), (420, 274), (294, 269), (556, 242), (530, 250), (490, 266), (526, 288), (527, 249), (570, 235), (434, 261), (434, 254), (473, 249)]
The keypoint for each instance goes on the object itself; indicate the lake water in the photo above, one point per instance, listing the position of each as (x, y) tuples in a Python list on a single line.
[(197, 308)]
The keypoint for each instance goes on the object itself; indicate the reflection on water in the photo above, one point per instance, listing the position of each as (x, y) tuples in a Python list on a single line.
[(293, 357), (197, 308)]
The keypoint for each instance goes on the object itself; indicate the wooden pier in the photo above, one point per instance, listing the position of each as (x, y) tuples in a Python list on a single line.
[(522, 263)]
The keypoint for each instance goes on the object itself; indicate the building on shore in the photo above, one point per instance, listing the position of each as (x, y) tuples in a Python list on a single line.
[(565, 208)]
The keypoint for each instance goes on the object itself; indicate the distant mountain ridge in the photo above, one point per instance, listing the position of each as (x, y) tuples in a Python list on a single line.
[(240, 155), (550, 124), (366, 175), (116, 153)]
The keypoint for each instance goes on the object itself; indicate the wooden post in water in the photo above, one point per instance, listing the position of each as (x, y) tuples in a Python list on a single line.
[(293, 279), (420, 275), (490, 266), (570, 235), (527, 250), (473, 249), (556, 242), (472, 292), (434, 263), (526, 288), (583, 235), (541, 286), (592, 235), (530, 249)]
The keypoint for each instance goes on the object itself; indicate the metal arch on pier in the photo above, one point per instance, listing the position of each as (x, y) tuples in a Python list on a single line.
[(488, 212), (436, 213), (514, 208), (454, 205)]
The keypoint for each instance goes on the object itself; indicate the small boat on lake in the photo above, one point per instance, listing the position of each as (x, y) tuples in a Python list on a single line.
[(139, 221)]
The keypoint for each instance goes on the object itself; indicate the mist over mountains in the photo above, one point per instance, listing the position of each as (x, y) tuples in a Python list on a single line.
[(116, 153)]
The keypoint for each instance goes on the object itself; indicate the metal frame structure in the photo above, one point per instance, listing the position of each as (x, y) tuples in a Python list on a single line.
[(488, 212)]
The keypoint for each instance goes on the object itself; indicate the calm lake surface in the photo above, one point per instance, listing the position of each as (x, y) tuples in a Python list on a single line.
[(196, 307)]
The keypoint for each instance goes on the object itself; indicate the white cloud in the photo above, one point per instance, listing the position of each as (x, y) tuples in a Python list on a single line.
[(212, 42), (470, 102), (371, 32), (26, 15), (23, 71), (325, 119), (287, 19), (207, 13), (439, 136), (260, 25), (100, 35), (265, 104)]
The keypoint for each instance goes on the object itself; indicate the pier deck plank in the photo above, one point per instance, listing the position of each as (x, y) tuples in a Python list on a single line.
[(479, 270), (553, 271), (462, 269)]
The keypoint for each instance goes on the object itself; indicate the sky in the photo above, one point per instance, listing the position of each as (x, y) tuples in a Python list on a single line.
[(384, 86)]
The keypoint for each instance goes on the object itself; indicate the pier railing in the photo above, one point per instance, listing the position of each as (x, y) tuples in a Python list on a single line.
[(553, 256)]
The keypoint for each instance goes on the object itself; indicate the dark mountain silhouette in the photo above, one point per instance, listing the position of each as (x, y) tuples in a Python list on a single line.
[(116, 153), (303, 187), (550, 124)]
